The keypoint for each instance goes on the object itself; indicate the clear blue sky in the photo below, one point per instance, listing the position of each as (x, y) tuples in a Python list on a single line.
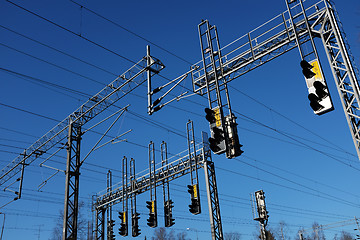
[(306, 164)]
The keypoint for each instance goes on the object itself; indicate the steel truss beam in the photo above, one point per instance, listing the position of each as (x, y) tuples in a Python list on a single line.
[(265, 43), (195, 159), (277, 37), (169, 172), (108, 96)]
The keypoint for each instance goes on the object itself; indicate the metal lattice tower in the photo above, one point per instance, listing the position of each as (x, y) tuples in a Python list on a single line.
[(343, 69), (109, 219), (100, 224), (72, 182), (212, 192)]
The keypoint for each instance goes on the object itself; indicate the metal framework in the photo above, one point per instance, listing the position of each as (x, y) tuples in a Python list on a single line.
[(167, 172), (212, 192), (70, 128), (72, 182), (343, 68), (100, 224), (109, 226), (218, 67), (283, 33), (108, 96), (299, 26)]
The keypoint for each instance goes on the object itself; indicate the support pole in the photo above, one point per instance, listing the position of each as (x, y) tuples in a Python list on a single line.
[(148, 63), (72, 183), (262, 231), (100, 224), (212, 193)]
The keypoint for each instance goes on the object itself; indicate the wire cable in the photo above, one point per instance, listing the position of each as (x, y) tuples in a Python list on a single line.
[(72, 32), (131, 32)]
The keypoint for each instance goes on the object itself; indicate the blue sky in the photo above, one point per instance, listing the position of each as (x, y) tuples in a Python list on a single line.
[(306, 164)]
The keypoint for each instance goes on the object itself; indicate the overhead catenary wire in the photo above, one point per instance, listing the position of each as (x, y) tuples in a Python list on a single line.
[(72, 32), (53, 23), (55, 120), (131, 32), (158, 125), (137, 35), (59, 51), (53, 64), (76, 34)]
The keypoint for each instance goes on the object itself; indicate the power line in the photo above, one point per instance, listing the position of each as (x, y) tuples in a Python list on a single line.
[(164, 77), (70, 31), (29, 112), (291, 181), (47, 83), (131, 32), (292, 121), (59, 51), (52, 64), (301, 176), (159, 125), (284, 186)]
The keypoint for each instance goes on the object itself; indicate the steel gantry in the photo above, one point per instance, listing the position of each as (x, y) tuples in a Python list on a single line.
[(288, 31), (157, 177), (300, 25), (71, 129)]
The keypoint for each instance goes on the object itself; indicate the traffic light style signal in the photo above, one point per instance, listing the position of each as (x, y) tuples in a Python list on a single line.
[(319, 97), (152, 220), (169, 221), (194, 207), (111, 234), (210, 115), (135, 224), (217, 139), (261, 206), (123, 230), (234, 146)]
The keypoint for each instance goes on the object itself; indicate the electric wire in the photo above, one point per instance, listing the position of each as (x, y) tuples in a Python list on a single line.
[(292, 121), (72, 32), (59, 51), (146, 146), (57, 121), (287, 187), (262, 104), (126, 59), (131, 32), (300, 176), (272, 206), (293, 182), (168, 79), (52, 64), (47, 83)]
